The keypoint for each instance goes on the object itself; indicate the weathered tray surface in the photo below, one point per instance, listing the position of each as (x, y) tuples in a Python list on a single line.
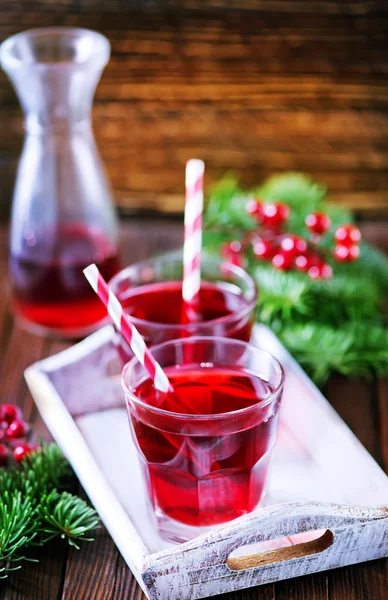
[(320, 479)]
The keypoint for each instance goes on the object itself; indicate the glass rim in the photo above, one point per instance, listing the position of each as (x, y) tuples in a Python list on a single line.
[(239, 271), (9, 60), (217, 416)]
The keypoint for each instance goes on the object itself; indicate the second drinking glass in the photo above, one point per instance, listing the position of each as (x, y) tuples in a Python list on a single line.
[(151, 293)]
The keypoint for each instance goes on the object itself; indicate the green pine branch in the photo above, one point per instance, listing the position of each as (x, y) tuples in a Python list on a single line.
[(17, 528), (67, 516), (336, 324), (42, 471), (356, 349), (226, 207), (294, 188), (33, 509)]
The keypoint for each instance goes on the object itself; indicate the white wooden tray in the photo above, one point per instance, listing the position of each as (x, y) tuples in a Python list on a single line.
[(322, 510)]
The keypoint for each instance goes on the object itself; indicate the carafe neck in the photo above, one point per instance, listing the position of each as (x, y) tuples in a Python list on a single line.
[(37, 124), (55, 72)]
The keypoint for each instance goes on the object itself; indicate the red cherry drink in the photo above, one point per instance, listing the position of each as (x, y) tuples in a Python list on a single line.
[(151, 293), (50, 290), (214, 471), (161, 303)]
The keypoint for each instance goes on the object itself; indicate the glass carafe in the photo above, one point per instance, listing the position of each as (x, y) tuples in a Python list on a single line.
[(62, 215)]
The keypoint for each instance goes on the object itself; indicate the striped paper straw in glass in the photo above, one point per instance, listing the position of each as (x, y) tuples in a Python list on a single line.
[(127, 329), (193, 235)]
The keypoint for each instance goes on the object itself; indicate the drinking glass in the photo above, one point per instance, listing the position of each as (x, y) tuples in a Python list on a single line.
[(204, 449), (151, 294)]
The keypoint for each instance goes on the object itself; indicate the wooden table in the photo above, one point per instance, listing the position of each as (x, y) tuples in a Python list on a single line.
[(97, 571)]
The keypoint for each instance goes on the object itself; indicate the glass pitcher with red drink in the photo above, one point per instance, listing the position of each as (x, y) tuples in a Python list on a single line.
[(62, 217)]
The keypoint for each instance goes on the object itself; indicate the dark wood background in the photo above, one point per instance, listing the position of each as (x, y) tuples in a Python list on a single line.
[(258, 86)]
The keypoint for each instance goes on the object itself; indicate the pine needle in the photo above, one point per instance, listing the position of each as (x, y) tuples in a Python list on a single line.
[(33, 511), (43, 470), (67, 516), (17, 528), (354, 349)]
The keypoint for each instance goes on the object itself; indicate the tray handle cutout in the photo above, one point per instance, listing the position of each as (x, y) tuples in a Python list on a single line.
[(279, 550), (299, 537)]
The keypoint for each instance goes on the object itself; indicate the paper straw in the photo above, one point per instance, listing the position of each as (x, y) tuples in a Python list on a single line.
[(193, 234), (127, 329)]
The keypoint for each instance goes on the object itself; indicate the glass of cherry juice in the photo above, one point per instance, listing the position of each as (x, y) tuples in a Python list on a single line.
[(151, 293), (205, 447)]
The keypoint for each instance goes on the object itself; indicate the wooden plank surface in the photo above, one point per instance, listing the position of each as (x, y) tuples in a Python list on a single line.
[(253, 86), (97, 571)]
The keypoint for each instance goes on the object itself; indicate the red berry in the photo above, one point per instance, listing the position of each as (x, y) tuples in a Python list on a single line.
[(275, 214), (282, 261), (293, 245), (302, 262), (17, 429), (233, 247), (305, 261), (4, 453), (322, 271), (9, 412), (354, 252), (237, 260), (23, 450), (283, 211), (326, 271), (263, 249), (318, 223), (347, 235), (255, 209), (346, 253), (232, 251)]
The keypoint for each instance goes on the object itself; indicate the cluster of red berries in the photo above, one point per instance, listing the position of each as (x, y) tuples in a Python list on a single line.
[(14, 434), (272, 215), (347, 238), (287, 251)]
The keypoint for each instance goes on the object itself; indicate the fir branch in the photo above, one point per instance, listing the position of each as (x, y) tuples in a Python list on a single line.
[(294, 188), (32, 510), (226, 205), (10, 482), (293, 295), (67, 516), (43, 470), (372, 264), (357, 349), (281, 295), (342, 298), (17, 528), (325, 324)]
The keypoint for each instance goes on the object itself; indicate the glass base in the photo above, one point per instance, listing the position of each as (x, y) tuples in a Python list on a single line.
[(176, 532)]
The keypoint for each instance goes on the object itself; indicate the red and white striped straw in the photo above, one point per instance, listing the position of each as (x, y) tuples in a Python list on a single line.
[(193, 232), (127, 329)]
